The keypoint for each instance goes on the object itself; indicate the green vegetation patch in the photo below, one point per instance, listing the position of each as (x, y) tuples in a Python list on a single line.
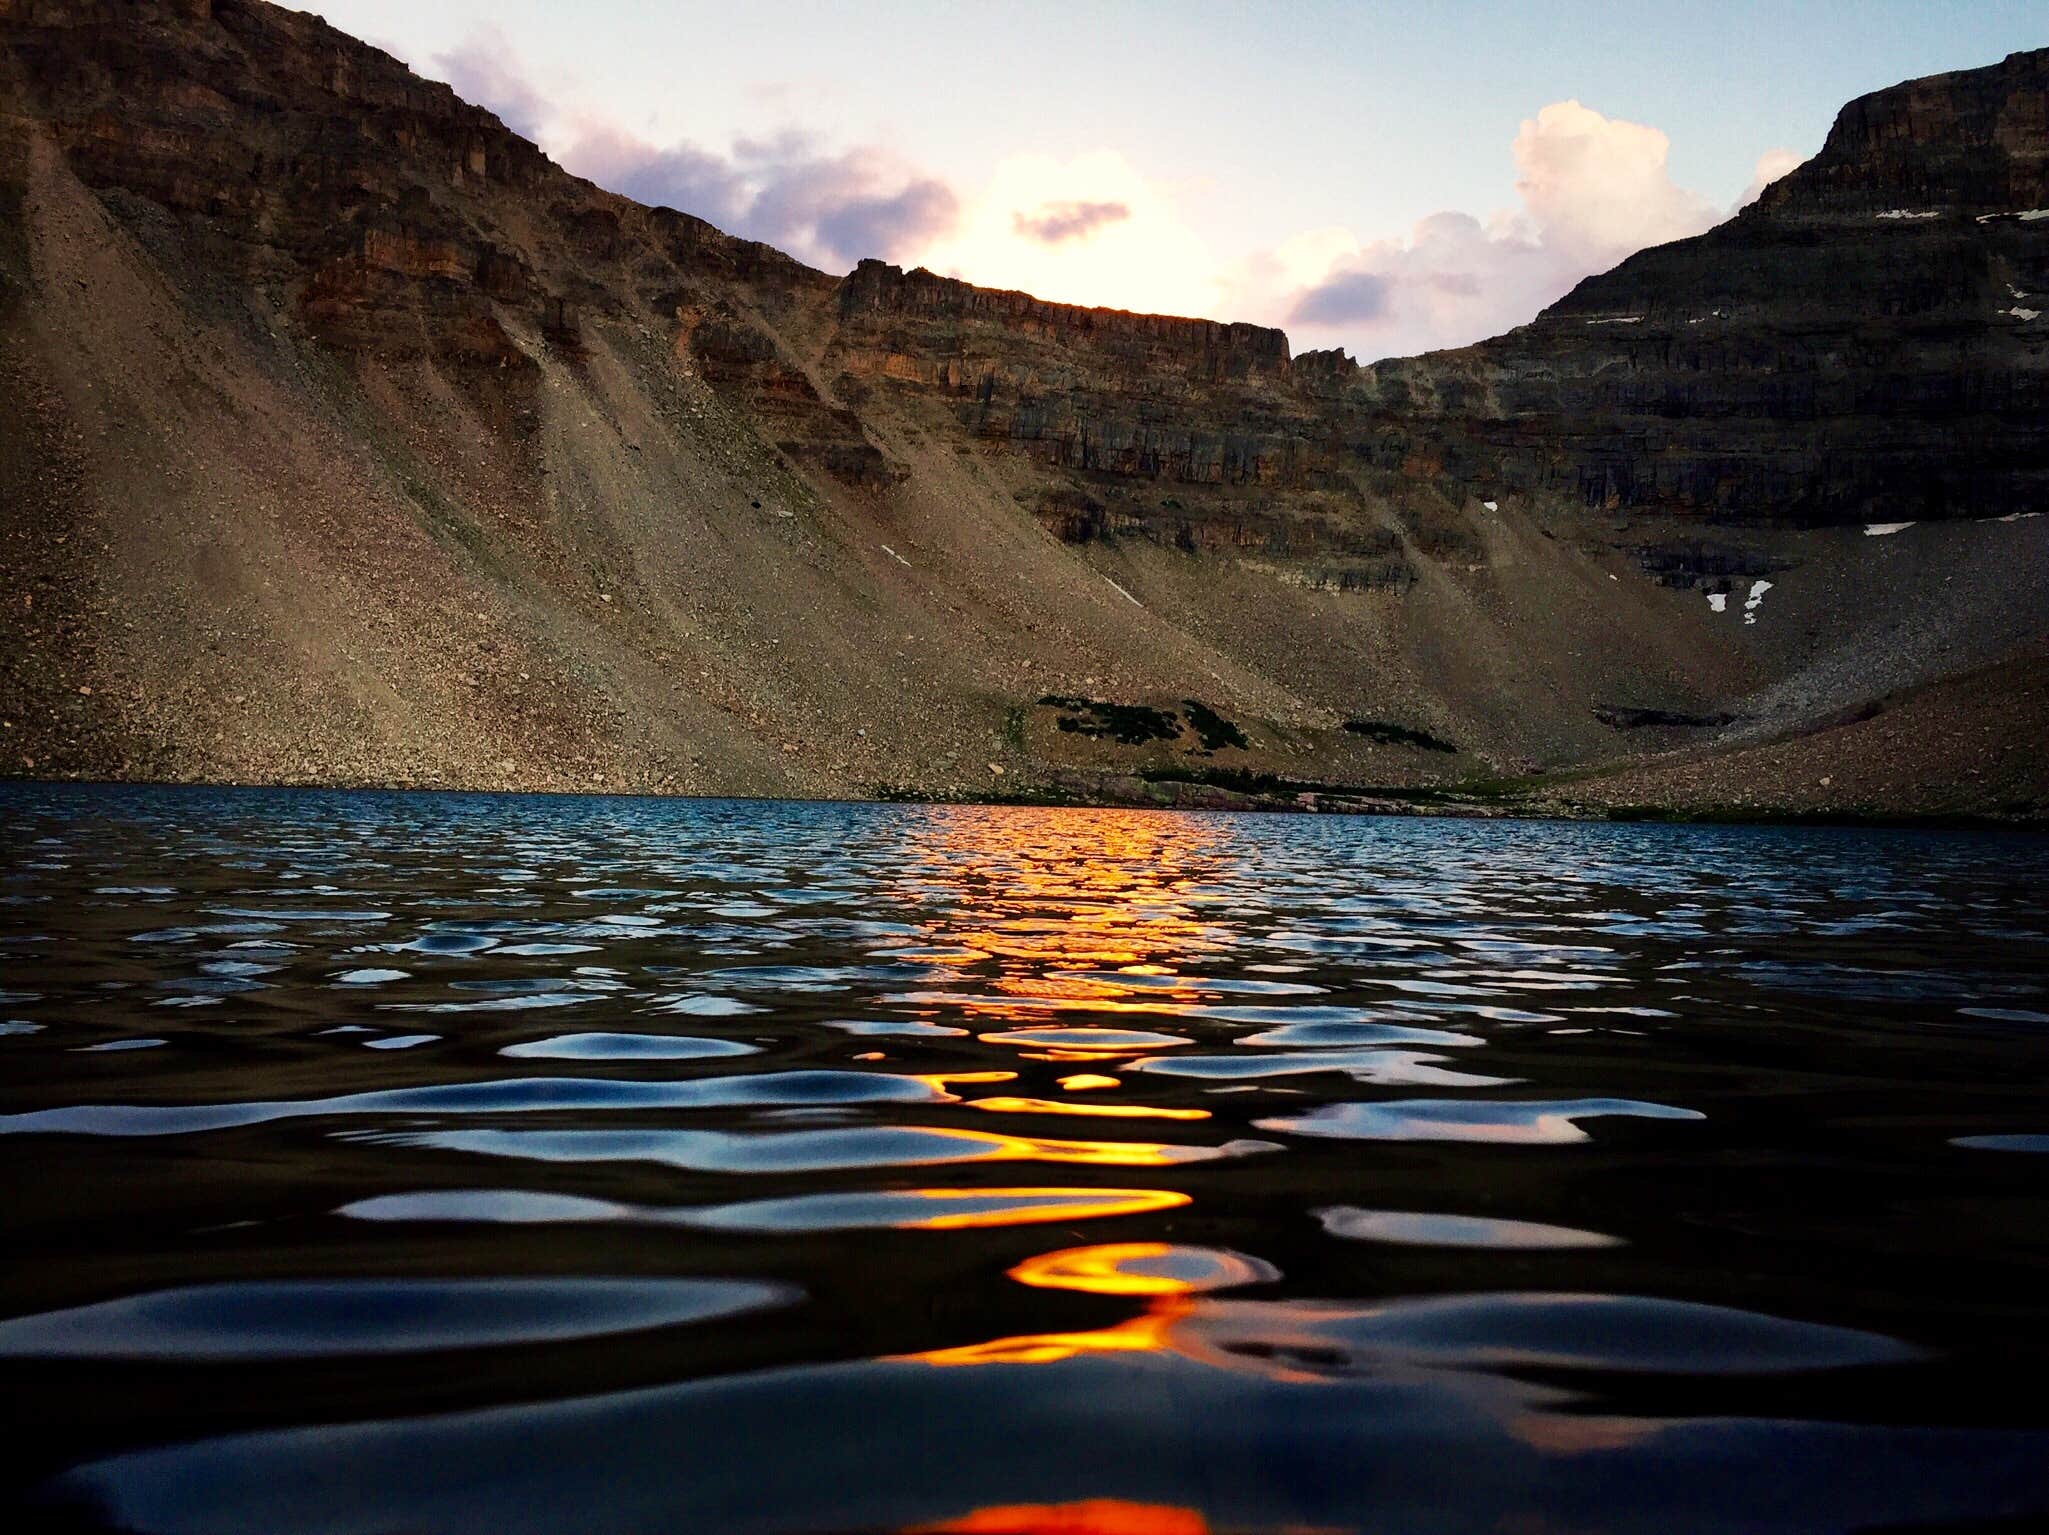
[(1127, 724), (1398, 735), (1467, 793), (1238, 780), (1216, 731)]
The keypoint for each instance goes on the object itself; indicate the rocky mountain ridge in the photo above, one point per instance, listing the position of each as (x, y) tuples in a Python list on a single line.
[(363, 444), (1855, 347)]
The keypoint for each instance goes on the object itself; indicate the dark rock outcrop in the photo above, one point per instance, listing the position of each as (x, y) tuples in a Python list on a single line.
[(1188, 402), (1867, 342)]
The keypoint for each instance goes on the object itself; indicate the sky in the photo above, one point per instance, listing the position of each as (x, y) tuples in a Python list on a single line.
[(1384, 178)]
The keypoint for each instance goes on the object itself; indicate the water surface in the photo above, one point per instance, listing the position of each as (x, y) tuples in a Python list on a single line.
[(462, 1163)]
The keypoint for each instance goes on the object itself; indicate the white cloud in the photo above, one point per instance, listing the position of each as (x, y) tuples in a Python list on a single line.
[(1597, 187), (1592, 190), (1771, 165)]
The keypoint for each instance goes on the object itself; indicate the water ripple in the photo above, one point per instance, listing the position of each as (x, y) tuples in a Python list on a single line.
[(1143, 1171), (309, 1318)]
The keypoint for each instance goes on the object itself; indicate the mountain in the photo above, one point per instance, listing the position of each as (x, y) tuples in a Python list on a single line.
[(1862, 345), (351, 440)]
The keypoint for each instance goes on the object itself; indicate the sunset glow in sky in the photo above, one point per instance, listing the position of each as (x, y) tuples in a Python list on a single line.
[(1384, 178)]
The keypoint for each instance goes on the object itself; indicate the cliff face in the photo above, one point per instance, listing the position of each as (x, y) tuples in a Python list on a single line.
[(1184, 401), (1188, 433), (352, 440), (1975, 137), (1864, 344)]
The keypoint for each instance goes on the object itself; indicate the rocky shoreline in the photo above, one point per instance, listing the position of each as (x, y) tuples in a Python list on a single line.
[(1128, 792)]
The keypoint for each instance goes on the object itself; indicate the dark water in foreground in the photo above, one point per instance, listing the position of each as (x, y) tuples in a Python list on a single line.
[(433, 1163)]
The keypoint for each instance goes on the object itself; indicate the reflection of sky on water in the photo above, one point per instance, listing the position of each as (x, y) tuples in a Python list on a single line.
[(901, 1209), (1162, 1170), (1406, 1415)]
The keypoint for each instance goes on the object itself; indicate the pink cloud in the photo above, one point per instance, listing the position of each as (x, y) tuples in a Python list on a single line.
[(484, 69), (1344, 298), (1051, 223), (1592, 190), (1771, 165), (829, 208), (1597, 187)]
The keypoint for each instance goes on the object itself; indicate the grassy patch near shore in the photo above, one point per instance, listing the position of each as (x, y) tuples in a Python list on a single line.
[(1275, 785)]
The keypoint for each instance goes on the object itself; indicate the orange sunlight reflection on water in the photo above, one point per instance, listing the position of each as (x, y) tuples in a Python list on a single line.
[(1091, 913), (1059, 900), (1061, 1205), (1091, 1516)]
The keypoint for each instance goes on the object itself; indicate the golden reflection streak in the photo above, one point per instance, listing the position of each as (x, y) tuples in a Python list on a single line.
[(1049, 895), (1102, 1110), (1101, 1270), (1106, 1041), (1088, 1516), (1085, 1204), (940, 1081), (1199, 1328), (1159, 1329), (1027, 1000), (1121, 1268), (1145, 1334), (1095, 913), (1030, 1148)]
